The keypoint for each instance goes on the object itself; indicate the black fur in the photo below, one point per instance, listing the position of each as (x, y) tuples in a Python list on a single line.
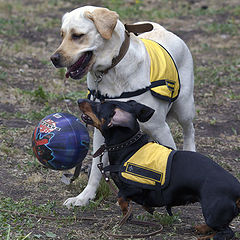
[(194, 177)]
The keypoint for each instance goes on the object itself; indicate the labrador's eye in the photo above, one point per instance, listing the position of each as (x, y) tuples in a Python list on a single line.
[(76, 36)]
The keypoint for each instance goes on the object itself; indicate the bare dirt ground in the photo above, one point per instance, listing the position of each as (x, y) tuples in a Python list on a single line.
[(31, 88)]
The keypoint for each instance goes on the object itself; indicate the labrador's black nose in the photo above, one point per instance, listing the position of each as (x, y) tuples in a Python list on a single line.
[(55, 58)]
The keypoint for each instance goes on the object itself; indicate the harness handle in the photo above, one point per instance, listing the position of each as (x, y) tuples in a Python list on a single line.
[(139, 28)]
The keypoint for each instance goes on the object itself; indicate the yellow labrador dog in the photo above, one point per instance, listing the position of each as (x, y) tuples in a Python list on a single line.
[(119, 65)]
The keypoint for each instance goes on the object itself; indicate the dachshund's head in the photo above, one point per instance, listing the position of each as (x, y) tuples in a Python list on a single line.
[(114, 116)]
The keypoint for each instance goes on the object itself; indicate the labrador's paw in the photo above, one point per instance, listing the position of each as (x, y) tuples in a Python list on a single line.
[(82, 199)]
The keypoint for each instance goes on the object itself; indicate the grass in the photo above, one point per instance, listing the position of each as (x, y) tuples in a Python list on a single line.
[(45, 100), (130, 11), (216, 70), (10, 26), (38, 114), (163, 219), (103, 193), (17, 217), (228, 27), (213, 121), (219, 75), (24, 220), (3, 76), (174, 9), (233, 96)]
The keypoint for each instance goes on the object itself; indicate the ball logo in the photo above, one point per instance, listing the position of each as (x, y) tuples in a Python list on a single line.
[(47, 126), (60, 141)]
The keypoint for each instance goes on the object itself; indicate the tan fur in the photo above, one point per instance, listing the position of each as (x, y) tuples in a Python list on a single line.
[(86, 109), (69, 48), (238, 203), (203, 229), (104, 20), (123, 205)]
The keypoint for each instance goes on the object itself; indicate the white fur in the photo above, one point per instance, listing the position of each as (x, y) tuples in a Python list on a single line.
[(130, 74)]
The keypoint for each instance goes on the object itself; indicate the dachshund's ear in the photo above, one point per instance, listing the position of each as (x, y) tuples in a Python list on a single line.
[(121, 118), (143, 112)]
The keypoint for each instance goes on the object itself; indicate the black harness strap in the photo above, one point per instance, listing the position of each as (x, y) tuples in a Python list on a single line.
[(112, 168), (68, 178), (98, 95)]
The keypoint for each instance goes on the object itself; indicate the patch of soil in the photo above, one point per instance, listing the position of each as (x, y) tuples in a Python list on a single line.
[(7, 107), (218, 129), (23, 66), (16, 123)]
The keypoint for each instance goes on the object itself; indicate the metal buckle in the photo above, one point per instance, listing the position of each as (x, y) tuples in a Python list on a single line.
[(100, 167), (99, 77)]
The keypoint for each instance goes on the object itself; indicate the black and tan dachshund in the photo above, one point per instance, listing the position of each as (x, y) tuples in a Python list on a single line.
[(193, 177)]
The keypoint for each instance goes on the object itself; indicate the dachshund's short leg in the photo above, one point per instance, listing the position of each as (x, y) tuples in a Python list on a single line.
[(224, 233), (203, 229), (123, 205), (127, 212), (218, 215), (148, 209)]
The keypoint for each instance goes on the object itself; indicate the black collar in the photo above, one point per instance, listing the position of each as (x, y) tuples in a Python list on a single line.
[(111, 148)]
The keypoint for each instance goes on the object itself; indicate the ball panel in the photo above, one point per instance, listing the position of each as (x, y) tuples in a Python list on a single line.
[(60, 141)]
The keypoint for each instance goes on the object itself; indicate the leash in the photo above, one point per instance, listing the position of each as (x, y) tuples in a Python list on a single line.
[(110, 148), (99, 153), (127, 216), (68, 178), (136, 222), (119, 236)]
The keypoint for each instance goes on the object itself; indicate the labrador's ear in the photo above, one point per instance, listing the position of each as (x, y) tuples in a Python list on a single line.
[(104, 20), (121, 118), (143, 112)]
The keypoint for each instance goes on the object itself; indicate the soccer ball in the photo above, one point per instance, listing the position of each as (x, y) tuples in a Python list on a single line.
[(60, 141)]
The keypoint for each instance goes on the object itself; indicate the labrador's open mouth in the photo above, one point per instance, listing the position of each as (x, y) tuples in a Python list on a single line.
[(79, 68), (87, 119)]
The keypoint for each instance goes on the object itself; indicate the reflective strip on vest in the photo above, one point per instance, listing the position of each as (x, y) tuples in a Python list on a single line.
[(148, 165)]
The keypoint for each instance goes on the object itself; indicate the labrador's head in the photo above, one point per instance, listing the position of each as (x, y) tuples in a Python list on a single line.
[(86, 33)]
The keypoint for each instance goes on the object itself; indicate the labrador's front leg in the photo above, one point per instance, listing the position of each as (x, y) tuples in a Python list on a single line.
[(89, 192)]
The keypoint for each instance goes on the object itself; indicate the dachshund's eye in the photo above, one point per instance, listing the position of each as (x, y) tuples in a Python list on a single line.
[(112, 114), (76, 36)]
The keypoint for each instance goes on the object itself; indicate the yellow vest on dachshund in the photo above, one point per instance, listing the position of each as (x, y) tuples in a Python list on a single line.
[(149, 167)]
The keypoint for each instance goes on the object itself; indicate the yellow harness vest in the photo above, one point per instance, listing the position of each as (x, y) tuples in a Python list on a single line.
[(149, 167), (164, 77)]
